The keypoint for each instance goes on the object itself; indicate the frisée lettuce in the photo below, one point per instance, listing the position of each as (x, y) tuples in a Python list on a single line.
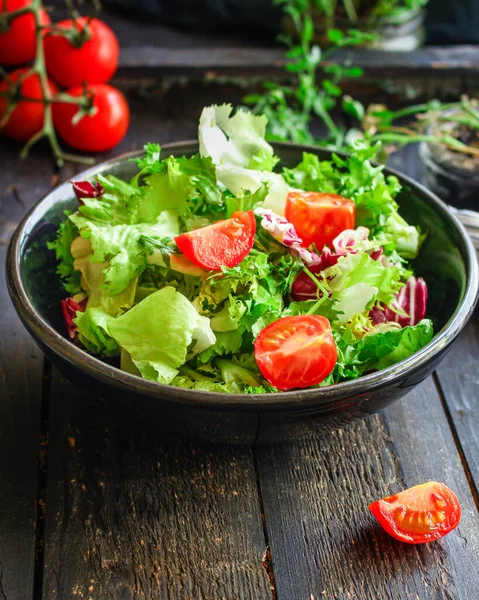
[(167, 318)]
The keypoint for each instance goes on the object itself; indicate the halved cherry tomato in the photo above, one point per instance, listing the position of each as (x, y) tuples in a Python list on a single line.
[(225, 243), (18, 45), (421, 514), (26, 119), (296, 352), (318, 218)]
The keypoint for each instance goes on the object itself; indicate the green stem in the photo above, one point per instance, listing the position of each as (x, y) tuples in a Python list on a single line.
[(57, 98), (7, 17), (48, 129), (350, 10), (319, 285), (409, 139)]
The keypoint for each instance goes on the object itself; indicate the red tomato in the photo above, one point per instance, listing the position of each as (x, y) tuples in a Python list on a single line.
[(19, 44), (421, 514), (319, 217), (97, 132), (296, 352), (224, 243), (94, 62), (26, 119)]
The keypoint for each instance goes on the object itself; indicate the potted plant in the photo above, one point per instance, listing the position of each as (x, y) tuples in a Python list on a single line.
[(398, 25), (449, 144)]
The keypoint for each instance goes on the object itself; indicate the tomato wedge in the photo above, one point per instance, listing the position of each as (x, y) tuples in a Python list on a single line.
[(296, 352), (224, 243), (421, 514), (317, 217)]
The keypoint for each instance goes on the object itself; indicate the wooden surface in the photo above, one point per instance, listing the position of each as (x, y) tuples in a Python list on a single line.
[(95, 504)]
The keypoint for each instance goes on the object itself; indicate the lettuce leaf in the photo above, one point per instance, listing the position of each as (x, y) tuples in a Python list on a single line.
[(186, 185), (69, 276), (376, 351), (236, 141), (93, 332), (158, 332), (244, 160), (120, 247), (118, 205)]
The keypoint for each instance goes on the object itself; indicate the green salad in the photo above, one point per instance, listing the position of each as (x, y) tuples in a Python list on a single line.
[(228, 272)]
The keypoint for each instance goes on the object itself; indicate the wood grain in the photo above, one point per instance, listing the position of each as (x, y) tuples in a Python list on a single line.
[(131, 515), (458, 377), (21, 366), (325, 543)]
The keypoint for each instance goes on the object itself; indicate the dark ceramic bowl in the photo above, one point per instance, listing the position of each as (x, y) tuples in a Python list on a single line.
[(447, 262)]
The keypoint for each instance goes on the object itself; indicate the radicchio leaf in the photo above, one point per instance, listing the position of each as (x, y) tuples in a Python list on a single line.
[(408, 308), (85, 189), (284, 232), (347, 242), (69, 311)]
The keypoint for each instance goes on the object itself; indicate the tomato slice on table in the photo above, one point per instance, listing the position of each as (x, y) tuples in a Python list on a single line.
[(421, 514), (296, 352), (224, 243), (318, 217)]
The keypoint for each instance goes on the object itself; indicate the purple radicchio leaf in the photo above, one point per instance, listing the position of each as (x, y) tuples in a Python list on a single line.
[(85, 189), (408, 307), (284, 232)]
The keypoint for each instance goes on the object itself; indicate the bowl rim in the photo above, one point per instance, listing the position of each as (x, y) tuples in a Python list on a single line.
[(47, 336)]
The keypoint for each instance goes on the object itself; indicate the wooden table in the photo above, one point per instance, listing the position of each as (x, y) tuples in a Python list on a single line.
[(94, 504)]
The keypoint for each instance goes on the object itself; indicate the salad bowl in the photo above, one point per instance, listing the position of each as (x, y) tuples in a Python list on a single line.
[(447, 262)]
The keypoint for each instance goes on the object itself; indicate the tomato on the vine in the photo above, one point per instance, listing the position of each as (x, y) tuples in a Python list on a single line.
[(419, 514), (96, 132), (296, 352), (319, 217), (26, 119), (18, 45), (224, 243), (94, 62)]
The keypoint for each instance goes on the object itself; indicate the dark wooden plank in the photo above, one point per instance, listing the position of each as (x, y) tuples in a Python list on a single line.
[(21, 365), (458, 377), (154, 58), (325, 543), (128, 513), (132, 515)]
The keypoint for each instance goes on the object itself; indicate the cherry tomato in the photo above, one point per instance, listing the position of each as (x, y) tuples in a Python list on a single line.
[(94, 62), (296, 352), (421, 514), (224, 243), (26, 119), (18, 45), (319, 217), (97, 132)]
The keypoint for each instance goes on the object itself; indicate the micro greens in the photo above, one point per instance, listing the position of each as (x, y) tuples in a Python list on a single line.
[(291, 108)]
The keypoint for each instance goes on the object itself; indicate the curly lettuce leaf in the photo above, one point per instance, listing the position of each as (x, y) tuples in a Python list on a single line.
[(69, 276), (377, 350), (118, 205), (120, 247)]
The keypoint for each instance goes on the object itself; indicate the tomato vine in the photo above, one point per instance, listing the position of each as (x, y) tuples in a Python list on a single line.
[(13, 94)]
